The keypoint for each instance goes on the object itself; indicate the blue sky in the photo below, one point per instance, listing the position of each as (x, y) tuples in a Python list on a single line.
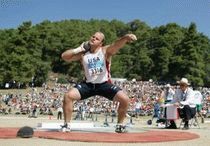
[(152, 12)]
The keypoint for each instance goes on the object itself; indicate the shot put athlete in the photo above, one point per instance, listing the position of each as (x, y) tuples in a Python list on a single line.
[(96, 60)]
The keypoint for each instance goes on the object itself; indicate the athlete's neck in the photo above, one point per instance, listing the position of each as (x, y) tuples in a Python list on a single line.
[(94, 50)]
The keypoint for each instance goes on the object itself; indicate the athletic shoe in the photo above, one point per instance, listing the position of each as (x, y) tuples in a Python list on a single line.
[(65, 128), (120, 129)]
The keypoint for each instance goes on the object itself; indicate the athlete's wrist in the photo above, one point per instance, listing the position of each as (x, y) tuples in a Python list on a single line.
[(84, 47), (78, 50)]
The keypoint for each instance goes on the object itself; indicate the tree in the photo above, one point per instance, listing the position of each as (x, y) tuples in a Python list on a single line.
[(192, 52), (166, 53)]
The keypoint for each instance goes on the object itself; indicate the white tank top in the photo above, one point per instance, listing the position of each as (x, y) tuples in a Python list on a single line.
[(96, 69)]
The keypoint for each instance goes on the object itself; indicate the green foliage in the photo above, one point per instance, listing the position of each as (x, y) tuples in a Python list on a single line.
[(164, 53)]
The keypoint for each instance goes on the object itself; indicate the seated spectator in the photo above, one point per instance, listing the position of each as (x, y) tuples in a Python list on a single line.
[(184, 100)]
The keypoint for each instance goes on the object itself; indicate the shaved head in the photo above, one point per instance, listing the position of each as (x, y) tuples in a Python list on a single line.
[(102, 36)]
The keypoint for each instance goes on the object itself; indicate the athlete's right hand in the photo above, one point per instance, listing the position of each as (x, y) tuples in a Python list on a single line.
[(86, 46)]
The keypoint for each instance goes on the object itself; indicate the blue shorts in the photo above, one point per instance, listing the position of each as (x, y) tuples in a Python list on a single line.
[(106, 89)]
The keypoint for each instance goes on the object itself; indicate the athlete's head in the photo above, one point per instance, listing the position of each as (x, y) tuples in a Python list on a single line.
[(97, 39)]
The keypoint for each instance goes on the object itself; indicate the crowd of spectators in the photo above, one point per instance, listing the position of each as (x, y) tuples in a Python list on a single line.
[(144, 95)]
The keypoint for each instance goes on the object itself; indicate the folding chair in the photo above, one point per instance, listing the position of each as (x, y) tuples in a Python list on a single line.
[(193, 122)]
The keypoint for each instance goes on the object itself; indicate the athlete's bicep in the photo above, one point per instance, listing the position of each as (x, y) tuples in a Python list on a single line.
[(108, 53)]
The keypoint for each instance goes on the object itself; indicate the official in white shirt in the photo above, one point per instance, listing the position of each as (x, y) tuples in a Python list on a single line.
[(185, 101)]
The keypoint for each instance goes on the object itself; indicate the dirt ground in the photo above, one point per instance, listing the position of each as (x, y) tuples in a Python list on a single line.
[(20, 121)]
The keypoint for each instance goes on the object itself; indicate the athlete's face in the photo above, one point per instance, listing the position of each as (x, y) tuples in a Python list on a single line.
[(97, 39)]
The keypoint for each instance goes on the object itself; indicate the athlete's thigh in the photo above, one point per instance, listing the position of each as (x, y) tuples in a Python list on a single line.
[(74, 94), (84, 90), (121, 96), (108, 90)]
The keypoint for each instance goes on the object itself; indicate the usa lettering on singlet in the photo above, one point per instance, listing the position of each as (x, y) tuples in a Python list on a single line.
[(95, 67)]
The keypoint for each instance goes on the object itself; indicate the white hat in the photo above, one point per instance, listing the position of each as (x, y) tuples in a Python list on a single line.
[(183, 81), (168, 85)]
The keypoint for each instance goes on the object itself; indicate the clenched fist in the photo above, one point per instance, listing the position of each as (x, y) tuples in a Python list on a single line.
[(131, 37)]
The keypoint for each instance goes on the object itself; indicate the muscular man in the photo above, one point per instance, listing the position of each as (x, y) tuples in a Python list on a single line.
[(96, 60)]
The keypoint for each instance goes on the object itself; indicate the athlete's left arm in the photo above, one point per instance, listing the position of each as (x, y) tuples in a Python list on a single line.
[(115, 46)]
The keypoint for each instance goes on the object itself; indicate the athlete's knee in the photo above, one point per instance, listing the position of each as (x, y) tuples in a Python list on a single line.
[(73, 94), (67, 97), (125, 100), (122, 98)]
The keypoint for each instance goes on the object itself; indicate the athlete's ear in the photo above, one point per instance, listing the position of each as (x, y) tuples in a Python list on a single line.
[(103, 42)]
